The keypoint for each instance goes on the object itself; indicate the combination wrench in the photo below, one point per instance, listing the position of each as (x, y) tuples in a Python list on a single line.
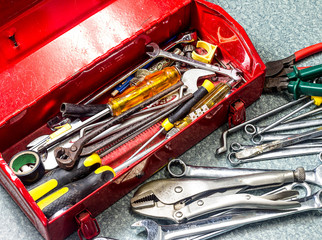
[(157, 52), (313, 176), (273, 137), (285, 153), (223, 140), (278, 144)]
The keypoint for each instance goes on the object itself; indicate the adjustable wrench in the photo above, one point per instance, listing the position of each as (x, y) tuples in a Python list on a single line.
[(157, 52)]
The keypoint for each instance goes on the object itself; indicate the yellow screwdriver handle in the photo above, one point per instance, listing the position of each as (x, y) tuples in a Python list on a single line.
[(58, 177), (219, 92), (150, 86)]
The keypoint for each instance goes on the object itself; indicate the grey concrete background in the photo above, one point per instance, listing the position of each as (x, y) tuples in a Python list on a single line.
[(277, 28)]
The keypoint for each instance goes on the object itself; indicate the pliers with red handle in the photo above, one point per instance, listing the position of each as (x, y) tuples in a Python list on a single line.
[(276, 71)]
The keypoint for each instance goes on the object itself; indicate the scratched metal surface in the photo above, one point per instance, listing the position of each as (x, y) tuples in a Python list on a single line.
[(277, 29)]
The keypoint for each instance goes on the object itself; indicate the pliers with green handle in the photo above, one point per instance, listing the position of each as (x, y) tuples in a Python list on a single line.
[(280, 72)]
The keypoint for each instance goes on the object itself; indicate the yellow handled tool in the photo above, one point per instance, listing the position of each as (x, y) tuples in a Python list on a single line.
[(58, 177), (219, 92), (149, 87), (74, 192)]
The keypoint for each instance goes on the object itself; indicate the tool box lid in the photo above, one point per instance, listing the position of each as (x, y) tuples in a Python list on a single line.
[(45, 43)]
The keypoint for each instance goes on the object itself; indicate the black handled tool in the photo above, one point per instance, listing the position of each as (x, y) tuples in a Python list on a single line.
[(58, 177), (67, 157), (75, 191), (181, 112)]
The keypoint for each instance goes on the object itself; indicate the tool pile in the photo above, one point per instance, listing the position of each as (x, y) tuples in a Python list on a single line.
[(83, 152), (205, 201)]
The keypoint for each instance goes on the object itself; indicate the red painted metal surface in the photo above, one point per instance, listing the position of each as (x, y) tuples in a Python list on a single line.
[(69, 62)]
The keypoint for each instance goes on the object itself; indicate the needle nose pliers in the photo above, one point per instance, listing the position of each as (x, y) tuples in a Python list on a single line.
[(280, 72)]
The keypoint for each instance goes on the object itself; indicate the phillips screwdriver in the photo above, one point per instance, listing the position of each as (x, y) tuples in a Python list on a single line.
[(220, 90), (150, 86), (181, 112)]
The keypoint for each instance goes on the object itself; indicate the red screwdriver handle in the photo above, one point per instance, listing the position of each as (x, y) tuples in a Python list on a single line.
[(308, 51)]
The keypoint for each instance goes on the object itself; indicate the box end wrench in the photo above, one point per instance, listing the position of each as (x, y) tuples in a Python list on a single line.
[(157, 52), (223, 147)]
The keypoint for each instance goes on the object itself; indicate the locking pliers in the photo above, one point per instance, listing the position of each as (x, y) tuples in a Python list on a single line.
[(184, 199)]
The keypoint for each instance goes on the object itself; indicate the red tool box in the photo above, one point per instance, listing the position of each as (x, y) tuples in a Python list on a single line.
[(63, 51)]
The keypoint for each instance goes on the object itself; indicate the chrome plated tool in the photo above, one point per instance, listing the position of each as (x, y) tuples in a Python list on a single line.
[(256, 150), (224, 135), (224, 223), (157, 52), (178, 168), (182, 199)]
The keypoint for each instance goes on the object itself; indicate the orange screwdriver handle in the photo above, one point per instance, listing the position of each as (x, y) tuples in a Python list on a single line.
[(150, 86)]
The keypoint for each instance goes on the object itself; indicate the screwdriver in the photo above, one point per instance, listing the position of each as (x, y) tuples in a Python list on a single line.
[(182, 111), (216, 95), (155, 83), (73, 192), (150, 86), (59, 177)]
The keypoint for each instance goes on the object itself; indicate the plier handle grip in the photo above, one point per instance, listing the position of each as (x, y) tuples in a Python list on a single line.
[(277, 71)]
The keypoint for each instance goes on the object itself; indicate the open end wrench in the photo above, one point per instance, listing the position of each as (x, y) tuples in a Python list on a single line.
[(157, 52)]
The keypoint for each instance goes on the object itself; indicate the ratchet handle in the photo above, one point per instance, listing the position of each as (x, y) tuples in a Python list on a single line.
[(202, 91), (73, 192), (308, 51), (59, 177), (78, 110)]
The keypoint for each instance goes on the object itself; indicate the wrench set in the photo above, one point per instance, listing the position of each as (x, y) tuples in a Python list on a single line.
[(205, 202)]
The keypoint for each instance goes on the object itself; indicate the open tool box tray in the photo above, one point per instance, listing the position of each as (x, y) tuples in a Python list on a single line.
[(63, 51)]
